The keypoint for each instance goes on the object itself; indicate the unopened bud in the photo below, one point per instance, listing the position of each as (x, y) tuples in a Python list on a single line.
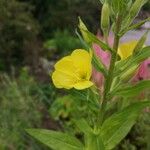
[(105, 18)]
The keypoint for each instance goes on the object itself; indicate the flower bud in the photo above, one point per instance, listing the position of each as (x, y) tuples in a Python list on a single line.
[(105, 18)]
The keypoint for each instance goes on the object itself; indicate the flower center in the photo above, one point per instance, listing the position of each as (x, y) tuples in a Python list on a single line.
[(83, 77)]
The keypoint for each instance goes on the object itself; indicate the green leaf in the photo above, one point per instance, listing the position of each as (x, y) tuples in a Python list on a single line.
[(122, 66), (132, 27), (135, 26), (116, 127), (56, 140), (98, 65), (129, 73), (90, 38), (94, 142), (136, 7), (82, 27), (83, 126), (94, 39), (120, 6), (132, 90), (86, 46), (140, 43), (141, 55), (117, 5), (133, 12)]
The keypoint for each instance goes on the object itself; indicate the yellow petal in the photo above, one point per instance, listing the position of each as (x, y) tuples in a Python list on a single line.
[(63, 80), (126, 49), (65, 65), (82, 61), (83, 85)]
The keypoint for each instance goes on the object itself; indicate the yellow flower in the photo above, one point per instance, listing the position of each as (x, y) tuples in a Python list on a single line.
[(126, 49), (73, 71)]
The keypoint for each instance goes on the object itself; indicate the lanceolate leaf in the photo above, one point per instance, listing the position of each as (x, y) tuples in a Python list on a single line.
[(99, 66), (133, 12), (140, 43), (94, 142), (56, 140), (122, 66), (116, 127), (119, 6), (137, 5), (94, 39), (82, 27), (135, 26), (90, 38), (142, 55), (132, 90), (83, 126)]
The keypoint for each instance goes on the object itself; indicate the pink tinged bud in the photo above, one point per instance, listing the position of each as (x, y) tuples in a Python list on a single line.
[(143, 73), (105, 57), (98, 78)]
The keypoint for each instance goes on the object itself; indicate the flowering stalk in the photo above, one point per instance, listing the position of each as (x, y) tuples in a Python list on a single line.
[(109, 78), (75, 71)]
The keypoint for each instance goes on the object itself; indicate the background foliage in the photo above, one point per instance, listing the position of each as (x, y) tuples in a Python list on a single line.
[(35, 29)]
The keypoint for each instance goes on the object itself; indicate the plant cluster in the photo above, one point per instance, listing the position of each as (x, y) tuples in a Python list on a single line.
[(109, 113)]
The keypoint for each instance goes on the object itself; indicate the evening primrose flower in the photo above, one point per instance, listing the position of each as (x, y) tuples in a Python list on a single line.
[(73, 71)]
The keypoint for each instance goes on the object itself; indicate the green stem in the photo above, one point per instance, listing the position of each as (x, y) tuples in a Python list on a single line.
[(109, 78)]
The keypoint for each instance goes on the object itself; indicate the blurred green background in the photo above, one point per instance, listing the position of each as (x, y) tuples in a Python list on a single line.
[(33, 35)]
